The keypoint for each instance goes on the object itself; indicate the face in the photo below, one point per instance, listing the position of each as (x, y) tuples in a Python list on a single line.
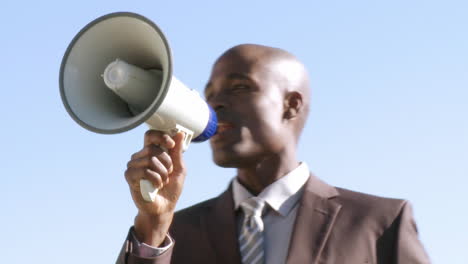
[(249, 103)]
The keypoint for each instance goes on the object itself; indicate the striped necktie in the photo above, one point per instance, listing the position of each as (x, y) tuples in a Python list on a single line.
[(251, 235)]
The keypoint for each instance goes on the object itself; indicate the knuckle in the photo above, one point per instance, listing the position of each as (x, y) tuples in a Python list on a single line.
[(132, 175), (183, 168), (149, 132), (166, 159), (155, 150), (129, 175), (167, 140), (168, 165), (153, 177), (133, 156), (163, 171), (129, 164), (153, 134), (153, 161), (157, 165), (142, 152)]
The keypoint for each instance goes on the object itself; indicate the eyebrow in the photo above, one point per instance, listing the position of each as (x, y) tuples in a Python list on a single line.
[(231, 76), (237, 76)]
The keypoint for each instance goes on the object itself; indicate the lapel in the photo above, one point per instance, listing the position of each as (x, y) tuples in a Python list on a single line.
[(220, 224), (315, 218)]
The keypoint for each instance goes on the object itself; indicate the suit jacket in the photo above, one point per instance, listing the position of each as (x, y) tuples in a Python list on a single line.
[(333, 225)]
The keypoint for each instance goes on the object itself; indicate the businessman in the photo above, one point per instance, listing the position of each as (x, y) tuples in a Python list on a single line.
[(274, 211)]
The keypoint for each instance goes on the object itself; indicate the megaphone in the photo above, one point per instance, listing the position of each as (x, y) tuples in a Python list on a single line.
[(117, 73)]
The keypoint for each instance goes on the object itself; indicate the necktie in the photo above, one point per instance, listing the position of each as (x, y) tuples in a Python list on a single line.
[(251, 235)]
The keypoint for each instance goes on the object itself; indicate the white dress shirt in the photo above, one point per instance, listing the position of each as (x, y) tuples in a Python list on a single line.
[(282, 198)]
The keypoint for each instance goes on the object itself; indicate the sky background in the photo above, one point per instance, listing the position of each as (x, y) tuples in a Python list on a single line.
[(388, 116)]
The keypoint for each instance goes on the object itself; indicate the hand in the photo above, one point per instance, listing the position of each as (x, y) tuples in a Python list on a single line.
[(166, 171)]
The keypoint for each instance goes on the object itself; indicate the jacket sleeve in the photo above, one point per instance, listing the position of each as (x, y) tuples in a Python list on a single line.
[(409, 248), (126, 255)]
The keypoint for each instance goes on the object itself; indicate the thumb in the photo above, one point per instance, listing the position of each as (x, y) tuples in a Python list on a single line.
[(176, 153)]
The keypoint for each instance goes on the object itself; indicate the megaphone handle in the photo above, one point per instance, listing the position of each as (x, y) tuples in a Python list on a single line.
[(147, 190)]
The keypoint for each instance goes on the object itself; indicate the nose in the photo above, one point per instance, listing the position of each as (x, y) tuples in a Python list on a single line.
[(218, 102)]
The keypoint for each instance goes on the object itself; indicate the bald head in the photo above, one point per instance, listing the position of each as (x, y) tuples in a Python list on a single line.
[(261, 98), (291, 75)]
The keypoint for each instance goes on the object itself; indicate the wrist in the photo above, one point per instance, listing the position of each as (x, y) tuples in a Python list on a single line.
[(152, 229)]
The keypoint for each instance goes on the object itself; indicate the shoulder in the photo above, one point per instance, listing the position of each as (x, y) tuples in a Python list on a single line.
[(371, 211), (355, 205), (369, 202), (388, 221)]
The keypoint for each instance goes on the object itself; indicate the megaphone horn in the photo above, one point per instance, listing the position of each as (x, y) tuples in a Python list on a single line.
[(117, 73)]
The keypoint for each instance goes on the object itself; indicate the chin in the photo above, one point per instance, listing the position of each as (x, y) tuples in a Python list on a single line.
[(225, 161), (234, 159)]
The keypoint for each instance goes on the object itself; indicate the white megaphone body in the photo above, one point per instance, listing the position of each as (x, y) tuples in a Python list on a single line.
[(117, 74)]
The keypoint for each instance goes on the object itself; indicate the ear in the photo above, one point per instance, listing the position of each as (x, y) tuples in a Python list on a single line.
[(292, 105)]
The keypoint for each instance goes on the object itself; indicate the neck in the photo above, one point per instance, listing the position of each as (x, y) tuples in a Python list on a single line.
[(257, 177)]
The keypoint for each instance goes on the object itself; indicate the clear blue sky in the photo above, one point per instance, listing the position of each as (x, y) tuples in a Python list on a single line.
[(389, 115)]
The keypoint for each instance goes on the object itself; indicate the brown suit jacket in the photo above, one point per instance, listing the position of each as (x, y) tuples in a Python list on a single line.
[(333, 225)]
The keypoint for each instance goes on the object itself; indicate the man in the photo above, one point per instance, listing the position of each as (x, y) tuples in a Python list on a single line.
[(261, 97)]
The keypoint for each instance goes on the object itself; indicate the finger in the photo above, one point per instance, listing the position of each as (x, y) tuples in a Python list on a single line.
[(154, 178), (161, 163), (149, 150), (133, 177), (176, 153), (158, 167), (166, 161), (140, 163), (154, 164), (153, 150), (158, 138)]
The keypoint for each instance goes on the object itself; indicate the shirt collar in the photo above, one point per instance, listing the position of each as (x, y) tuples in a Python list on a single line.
[(282, 195)]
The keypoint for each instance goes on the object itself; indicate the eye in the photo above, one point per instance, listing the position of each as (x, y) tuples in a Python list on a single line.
[(239, 87)]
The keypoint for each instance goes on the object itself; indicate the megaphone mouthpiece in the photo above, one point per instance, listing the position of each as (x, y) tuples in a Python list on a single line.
[(133, 84), (115, 75)]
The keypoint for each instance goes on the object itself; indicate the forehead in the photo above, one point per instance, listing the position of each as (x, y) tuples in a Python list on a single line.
[(239, 67), (235, 62)]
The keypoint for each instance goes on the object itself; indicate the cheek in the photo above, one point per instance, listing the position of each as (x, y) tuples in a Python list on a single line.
[(262, 123), (250, 139), (269, 118), (264, 133)]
